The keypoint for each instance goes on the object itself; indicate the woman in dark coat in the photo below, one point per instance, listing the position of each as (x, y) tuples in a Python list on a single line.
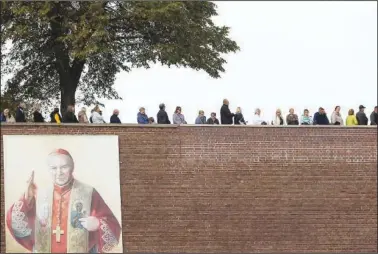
[(238, 117), (37, 116)]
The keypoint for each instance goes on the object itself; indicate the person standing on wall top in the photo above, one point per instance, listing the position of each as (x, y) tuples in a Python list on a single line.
[(257, 119), (178, 117), (336, 118), (226, 116), (96, 116), (238, 117), (306, 119), (69, 116), (201, 118), (37, 116), (55, 116), (20, 114), (320, 117), (83, 118), (162, 116), (374, 116), (114, 118), (213, 119), (100, 112), (361, 116), (6, 117), (351, 118), (151, 120), (278, 119), (291, 118), (142, 117), (90, 118)]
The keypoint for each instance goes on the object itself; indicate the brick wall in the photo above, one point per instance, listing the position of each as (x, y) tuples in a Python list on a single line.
[(241, 189)]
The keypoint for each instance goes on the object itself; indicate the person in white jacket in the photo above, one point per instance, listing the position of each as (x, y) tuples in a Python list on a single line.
[(96, 116), (336, 118), (257, 119)]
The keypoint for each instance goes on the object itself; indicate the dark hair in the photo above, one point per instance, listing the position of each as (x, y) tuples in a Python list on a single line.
[(177, 108), (306, 110), (351, 112), (337, 107), (321, 108), (213, 113), (162, 106)]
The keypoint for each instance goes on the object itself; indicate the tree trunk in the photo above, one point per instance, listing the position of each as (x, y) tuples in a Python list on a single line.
[(69, 78), (69, 75), (67, 97)]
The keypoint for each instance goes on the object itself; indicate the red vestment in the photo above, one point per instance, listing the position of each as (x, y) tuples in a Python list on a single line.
[(21, 219)]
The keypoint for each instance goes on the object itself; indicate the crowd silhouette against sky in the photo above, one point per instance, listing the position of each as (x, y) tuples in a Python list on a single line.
[(226, 117)]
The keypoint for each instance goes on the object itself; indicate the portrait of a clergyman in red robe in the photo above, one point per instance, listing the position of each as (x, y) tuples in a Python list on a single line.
[(68, 217)]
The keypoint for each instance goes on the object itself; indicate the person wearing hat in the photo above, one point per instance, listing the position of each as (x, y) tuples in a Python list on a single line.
[(361, 116), (374, 116)]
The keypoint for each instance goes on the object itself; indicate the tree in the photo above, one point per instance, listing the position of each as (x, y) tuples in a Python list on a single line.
[(61, 47), (8, 101)]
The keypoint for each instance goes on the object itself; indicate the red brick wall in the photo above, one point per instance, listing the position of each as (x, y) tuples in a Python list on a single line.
[(241, 189)]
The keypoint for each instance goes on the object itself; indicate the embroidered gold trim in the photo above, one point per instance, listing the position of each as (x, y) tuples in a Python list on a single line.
[(43, 221), (110, 241), (78, 238), (19, 225)]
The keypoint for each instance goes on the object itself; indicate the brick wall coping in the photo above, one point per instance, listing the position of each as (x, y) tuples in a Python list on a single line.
[(133, 125)]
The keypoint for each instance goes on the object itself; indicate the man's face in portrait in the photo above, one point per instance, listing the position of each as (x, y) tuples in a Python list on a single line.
[(61, 168)]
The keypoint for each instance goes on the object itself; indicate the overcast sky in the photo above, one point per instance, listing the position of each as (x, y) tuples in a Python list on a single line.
[(293, 54)]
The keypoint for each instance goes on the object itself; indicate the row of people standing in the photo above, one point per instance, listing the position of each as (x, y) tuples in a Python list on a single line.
[(319, 118), (55, 116), (70, 117), (237, 118), (177, 118), (6, 116)]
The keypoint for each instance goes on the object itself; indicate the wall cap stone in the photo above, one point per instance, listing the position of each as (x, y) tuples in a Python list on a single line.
[(134, 125)]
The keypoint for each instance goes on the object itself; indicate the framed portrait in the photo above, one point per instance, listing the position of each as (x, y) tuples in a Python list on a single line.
[(62, 194)]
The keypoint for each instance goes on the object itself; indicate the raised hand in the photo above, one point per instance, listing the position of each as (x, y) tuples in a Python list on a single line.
[(30, 188)]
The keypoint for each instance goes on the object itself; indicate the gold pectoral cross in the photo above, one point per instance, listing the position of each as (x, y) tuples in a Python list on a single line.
[(58, 232)]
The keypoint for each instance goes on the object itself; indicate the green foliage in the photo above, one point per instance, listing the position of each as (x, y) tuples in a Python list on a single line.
[(9, 102), (61, 47)]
